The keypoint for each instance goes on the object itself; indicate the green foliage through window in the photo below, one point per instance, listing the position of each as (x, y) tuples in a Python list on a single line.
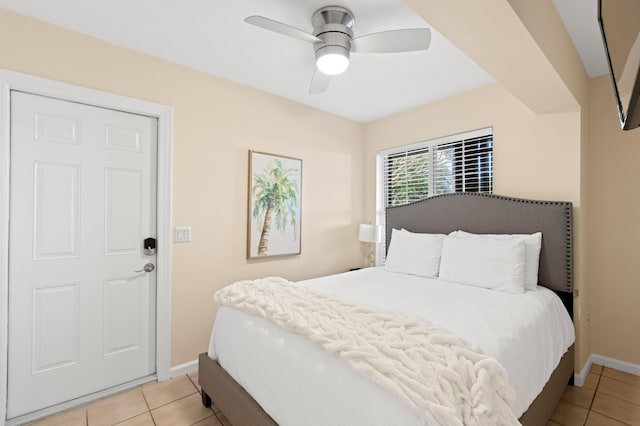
[(460, 166)]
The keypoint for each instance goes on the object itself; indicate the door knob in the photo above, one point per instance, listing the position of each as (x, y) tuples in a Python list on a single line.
[(149, 267)]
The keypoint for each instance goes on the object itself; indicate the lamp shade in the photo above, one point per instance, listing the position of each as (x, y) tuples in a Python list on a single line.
[(370, 233)]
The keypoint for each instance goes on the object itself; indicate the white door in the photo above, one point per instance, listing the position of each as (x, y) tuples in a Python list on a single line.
[(82, 200)]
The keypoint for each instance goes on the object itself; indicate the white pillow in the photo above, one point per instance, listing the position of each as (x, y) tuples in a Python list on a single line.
[(532, 245), (484, 262), (415, 254)]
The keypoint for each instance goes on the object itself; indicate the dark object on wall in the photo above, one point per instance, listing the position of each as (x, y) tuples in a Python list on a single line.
[(620, 26)]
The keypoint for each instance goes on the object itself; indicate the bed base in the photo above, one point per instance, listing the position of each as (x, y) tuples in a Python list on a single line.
[(242, 410), (545, 403), (231, 398)]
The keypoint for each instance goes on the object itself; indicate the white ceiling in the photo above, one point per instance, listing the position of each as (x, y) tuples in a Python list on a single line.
[(210, 35), (580, 17)]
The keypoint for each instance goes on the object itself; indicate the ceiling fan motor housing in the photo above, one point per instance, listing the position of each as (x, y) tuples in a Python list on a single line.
[(333, 41), (332, 25)]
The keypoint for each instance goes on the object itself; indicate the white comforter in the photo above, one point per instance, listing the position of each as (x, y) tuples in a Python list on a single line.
[(298, 383)]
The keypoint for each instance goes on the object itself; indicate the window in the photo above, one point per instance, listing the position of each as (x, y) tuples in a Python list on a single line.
[(414, 172), (457, 163)]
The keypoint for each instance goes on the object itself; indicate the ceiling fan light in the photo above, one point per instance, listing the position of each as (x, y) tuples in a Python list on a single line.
[(332, 60)]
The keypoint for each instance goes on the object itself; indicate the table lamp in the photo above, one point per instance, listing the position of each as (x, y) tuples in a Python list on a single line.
[(370, 234)]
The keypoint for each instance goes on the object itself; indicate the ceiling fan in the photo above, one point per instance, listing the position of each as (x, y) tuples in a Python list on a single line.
[(333, 41)]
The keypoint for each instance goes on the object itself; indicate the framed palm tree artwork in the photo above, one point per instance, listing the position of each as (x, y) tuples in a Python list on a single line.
[(275, 187)]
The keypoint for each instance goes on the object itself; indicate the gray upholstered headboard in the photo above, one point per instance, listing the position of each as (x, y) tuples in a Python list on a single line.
[(495, 214)]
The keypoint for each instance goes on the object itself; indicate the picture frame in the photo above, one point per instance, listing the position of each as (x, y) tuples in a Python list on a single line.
[(274, 205)]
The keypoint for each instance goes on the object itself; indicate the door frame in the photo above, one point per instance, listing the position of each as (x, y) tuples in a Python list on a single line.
[(11, 80)]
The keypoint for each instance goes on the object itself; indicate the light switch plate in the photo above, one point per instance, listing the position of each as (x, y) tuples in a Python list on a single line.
[(183, 234)]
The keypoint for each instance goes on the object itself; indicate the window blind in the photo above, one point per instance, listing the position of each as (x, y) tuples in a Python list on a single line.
[(414, 172)]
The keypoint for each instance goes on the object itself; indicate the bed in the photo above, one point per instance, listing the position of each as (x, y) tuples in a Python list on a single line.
[(310, 383)]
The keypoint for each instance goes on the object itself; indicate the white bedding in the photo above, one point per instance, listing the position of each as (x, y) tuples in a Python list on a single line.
[(298, 383)]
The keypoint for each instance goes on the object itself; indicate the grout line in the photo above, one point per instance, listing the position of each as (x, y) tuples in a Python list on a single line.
[(148, 407), (609, 417), (621, 399), (201, 420), (194, 383), (618, 379), (593, 398), (595, 390), (173, 400), (611, 396), (153, 419), (177, 399)]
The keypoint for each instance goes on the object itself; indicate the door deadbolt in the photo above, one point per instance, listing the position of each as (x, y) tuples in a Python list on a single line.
[(149, 246)]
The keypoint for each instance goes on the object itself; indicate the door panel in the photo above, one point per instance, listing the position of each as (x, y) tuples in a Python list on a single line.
[(50, 128), (123, 211), (122, 327), (83, 198), (122, 139), (56, 327), (56, 226)]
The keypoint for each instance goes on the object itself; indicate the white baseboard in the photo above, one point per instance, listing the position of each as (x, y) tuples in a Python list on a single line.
[(627, 367), (186, 368), (579, 378)]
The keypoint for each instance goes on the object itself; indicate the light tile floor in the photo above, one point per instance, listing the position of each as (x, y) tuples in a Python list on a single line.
[(175, 402), (608, 398)]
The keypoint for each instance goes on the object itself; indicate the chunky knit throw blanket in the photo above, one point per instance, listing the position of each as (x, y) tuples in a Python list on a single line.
[(439, 375)]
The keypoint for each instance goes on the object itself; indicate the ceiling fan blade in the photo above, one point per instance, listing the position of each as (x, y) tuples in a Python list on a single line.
[(406, 40), (319, 83), (279, 27)]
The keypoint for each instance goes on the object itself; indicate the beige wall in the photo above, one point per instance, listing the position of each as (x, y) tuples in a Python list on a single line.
[(215, 123), (614, 207)]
